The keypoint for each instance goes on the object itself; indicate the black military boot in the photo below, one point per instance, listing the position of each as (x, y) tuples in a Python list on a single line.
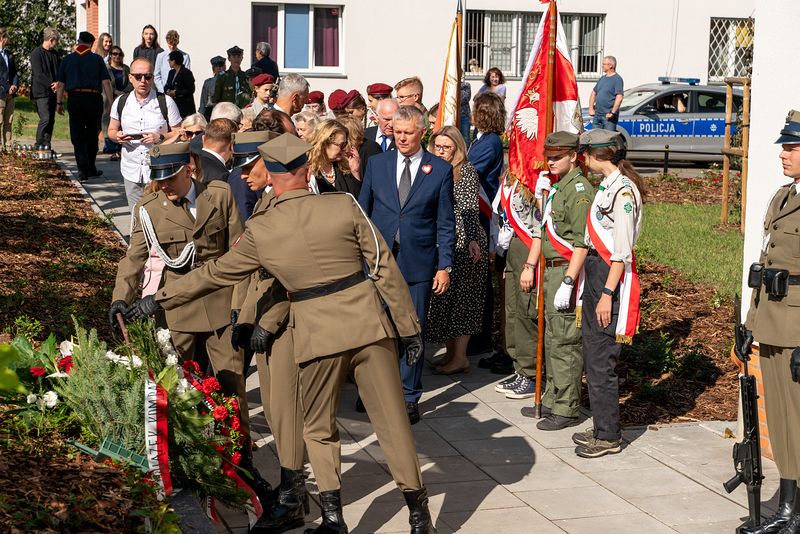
[(786, 506), (792, 527), (332, 519), (291, 507), (419, 516), (263, 489)]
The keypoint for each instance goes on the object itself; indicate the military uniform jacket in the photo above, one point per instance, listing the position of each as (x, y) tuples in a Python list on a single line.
[(215, 229), (308, 241), (569, 205), (233, 87), (776, 321)]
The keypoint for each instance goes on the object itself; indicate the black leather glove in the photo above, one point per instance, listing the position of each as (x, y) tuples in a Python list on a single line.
[(794, 364), (118, 306), (235, 316), (261, 340), (240, 336), (142, 309), (413, 346)]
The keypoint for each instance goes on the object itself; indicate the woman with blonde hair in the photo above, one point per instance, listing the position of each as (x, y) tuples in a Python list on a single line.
[(102, 47), (305, 122), (334, 164), (456, 314), (355, 136)]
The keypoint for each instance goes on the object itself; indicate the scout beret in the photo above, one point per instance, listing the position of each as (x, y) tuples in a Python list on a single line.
[(790, 135), (218, 61), (245, 146), (85, 38), (261, 79), (235, 51), (597, 138), (316, 97), (167, 160), (336, 100), (379, 89), (349, 97), (285, 153), (558, 141)]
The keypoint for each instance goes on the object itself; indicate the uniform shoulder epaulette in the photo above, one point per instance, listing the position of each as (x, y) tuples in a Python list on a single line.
[(334, 193), (219, 184), (148, 198)]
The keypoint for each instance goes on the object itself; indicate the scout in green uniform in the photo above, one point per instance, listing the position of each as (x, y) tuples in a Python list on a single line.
[(261, 327), (774, 318), (233, 85), (318, 247), (564, 248)]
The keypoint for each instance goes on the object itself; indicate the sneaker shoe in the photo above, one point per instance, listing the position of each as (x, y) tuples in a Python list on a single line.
[(530, 411), (598, 447), (507, 384), (582, 438), (556, 422), (525, 389)]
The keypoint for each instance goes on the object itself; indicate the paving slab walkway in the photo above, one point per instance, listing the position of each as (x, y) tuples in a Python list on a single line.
[(489, 469)]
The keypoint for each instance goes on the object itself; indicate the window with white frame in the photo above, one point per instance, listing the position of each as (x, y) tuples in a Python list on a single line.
[(303, 37), (504, 40), (730, 48)]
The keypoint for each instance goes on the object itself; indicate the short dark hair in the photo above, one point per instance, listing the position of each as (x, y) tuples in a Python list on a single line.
[(487, 81), (176, 56), (269, 120), (220, 130)]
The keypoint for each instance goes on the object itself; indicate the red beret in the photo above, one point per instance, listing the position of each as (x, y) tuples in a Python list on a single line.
[(379, 89), (316, 97), (336, 100), (261, 79), (349, 97)]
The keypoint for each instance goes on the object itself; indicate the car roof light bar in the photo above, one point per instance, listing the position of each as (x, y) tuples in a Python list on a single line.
[(672, 79)]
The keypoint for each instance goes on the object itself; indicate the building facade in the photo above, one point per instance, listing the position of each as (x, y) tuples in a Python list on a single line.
[(351, 43)]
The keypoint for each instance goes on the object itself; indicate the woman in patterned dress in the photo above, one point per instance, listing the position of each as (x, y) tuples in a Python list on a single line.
[(455, 315)]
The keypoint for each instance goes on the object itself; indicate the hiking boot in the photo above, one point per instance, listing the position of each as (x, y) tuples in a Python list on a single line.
[(524, 389), (598, 447), (582, 438), (530, 411), (507, 384), (556, 422)]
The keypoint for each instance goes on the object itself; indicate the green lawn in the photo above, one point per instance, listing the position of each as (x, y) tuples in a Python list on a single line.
[(26, 120), (684, 237)]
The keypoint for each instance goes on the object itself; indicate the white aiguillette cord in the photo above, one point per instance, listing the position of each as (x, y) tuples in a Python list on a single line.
[(186, 256), (374, 274)]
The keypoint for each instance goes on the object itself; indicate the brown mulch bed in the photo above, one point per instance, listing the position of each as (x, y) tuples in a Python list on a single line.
[(57, 258), (704, 189)]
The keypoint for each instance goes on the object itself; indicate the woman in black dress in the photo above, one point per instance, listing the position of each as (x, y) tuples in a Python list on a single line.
[(180, 84), (334, 164), (456, 315)]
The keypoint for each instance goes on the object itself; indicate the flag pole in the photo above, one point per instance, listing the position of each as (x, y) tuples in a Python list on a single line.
[(548, 121)]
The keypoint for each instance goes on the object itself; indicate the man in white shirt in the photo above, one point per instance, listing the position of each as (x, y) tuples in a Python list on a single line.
[(292, 94), (146, 119), (383, 134), (162, 60)]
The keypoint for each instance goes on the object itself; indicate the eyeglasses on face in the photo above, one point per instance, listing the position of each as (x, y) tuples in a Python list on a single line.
[(341, 145), (117, 54), (139, 75), (192, 133), (443, 148), (406, 97)]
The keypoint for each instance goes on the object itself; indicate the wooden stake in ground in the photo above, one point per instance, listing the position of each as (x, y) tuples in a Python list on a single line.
[(123, 328)]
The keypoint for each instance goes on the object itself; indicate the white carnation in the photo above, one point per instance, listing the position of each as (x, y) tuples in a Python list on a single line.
[(50, 399), (40, 403), (60, 374), (66, 348), (183, 386), (136, 361), (31, 398), (113, 356), (164, 338), (172, 359)]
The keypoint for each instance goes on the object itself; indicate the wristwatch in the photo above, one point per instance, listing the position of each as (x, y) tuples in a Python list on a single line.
[(609, 292), (568, 280), (448, 269)]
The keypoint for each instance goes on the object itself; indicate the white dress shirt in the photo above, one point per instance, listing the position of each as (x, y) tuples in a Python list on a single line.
[(416, 159), (379, 135), (142, 117), (161, 68), (191, 198), (220, 158)]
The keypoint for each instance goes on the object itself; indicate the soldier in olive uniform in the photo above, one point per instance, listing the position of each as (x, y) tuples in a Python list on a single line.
[(233, 85), (564, 251), (775, 322), (261, 327), (317, 247)]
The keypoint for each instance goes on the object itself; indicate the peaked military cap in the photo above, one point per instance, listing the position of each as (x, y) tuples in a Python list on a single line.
[(560, 141), (285, 153), (235, 51), (598, 138), (245, 146), (167, 160), (218, 61), (790, 135)]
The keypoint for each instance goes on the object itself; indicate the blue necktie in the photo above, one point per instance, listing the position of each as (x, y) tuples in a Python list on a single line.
[(383, 143)]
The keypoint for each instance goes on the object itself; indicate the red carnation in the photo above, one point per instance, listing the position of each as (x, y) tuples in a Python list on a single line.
[(219, 448), (228, 470), (236, 458), (38, 371), (235, 405), (235, 423), (65, 364), (210, 384), (191, 366), (220, 413)]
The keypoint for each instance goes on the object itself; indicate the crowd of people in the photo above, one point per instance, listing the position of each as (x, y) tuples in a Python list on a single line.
[(232, 228)]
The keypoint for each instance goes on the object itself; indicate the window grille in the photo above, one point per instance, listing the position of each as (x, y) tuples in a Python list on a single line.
[(730, 48)]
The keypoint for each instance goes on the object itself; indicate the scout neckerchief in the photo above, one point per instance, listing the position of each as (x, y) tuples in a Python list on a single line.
[(563, 247), (629, 288)]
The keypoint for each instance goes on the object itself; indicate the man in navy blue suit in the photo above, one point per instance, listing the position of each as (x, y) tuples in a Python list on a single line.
[(408, 194)]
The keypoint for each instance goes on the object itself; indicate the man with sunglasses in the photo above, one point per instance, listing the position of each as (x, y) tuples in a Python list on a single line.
[(85, 77), (139, 122)]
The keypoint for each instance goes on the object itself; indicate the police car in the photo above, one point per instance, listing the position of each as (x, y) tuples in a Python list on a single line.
[(678, 112)]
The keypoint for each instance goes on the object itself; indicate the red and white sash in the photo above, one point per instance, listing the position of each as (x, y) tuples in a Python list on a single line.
[(507, 194), (156, 435), (629, 288), (563, 247)]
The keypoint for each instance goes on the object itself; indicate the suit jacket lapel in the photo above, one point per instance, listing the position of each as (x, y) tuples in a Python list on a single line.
[(205, 209), (392, 177), (176, 214), (420, 176)]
